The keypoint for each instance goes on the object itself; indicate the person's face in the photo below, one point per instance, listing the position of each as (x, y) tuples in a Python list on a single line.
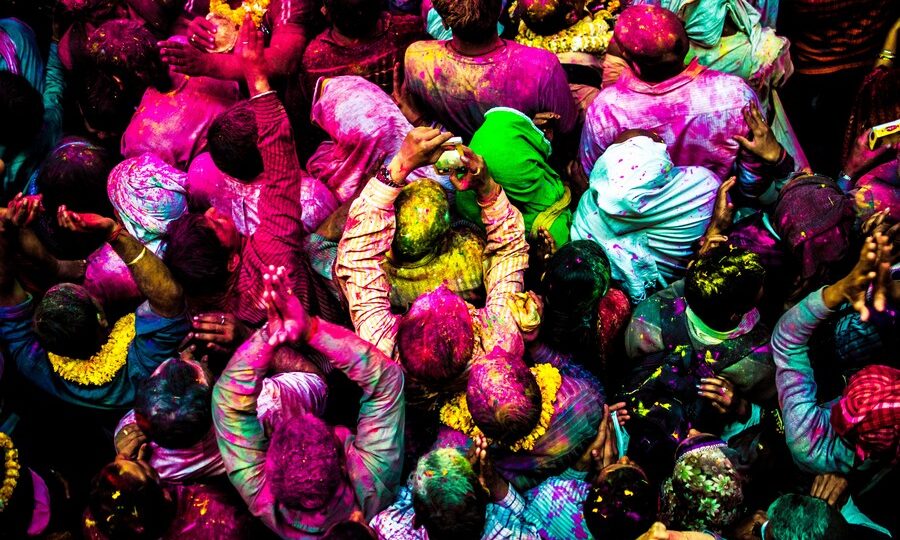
[(224, 228)]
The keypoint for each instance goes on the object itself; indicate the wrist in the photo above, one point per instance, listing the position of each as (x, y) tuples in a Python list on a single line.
[(257, 83), (488, 192), (833, 295), (113, 231), (398, 170), (774, 157)]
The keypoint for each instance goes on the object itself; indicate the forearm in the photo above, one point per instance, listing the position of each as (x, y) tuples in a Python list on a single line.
[(506, 249), (359, 359), (151, 275)]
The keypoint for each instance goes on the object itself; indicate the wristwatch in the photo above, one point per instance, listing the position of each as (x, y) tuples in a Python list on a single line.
[(384, 176)]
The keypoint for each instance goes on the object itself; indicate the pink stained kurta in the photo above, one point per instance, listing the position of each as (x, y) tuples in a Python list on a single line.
[(697, 113), (459, 89), (366, 129), (173, 125)]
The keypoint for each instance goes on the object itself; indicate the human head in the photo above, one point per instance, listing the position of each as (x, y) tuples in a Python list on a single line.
[(435, 338), (473, 21), (868, 413), (547, 17), (70, 322), (723, 286), (447, 498), (653, 41), (232, 139), (304, 463), (423, 218), (126, 50), (704, 491), (148, 194), (127, 502), (202, 252), (75, 174), (503, 397), (876, 103), (18, 506), (575, 279), (814, 218), (621, 504), (354, 18), (173, 406), (22, 111), (801, 517)]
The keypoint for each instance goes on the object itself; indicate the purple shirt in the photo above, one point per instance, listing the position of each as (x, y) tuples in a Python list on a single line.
[(459, 89), (697, 113)]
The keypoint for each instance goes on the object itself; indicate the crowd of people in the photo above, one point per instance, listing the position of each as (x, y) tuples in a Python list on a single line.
[(449, 269)]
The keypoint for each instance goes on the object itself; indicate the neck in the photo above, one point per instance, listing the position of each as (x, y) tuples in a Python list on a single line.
[(351, 41), (468, 48)]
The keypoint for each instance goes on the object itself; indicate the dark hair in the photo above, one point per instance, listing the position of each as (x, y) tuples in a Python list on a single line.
[(66, 322), (126, 507), (348, 530), (623, 505), (503, 397), (447, 498), (877, 102), (232, 139), (724, 283), (470, 20), (196, 257), (804, 517), (126, 49), (304, 463), (173, 407), (104, 102), (576, 278), (22, 111), (75, 174), (355, 18)]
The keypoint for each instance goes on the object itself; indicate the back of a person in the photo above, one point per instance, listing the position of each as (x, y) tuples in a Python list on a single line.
[(828, 36), (460, 89), (696, 113)]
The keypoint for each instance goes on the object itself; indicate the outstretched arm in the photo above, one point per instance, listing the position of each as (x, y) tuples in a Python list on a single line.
[(151, 275)]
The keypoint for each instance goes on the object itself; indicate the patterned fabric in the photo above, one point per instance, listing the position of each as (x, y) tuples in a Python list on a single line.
[(459, 89), (278, 239), (869, 412), (811, 437), (645, 213), (173, 125), (506, 519), (373, 457), (367, 237), (815, 219), (366, 129), (327, 56), (696, 113), (556, 505), (517, 154), (878, 190), (147, 194)]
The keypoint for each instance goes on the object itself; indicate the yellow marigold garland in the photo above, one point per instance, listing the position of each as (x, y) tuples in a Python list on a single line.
[(103, 366), (591, 34), (455, 413), (256, 9), (11, 462)]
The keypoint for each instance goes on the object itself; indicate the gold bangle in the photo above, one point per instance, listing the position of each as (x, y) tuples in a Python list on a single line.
[(139, 257), (887, 55)]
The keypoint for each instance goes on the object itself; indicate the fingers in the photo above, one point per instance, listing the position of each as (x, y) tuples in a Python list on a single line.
[(621, 412), (144, 452), (724, 188), (743, 141)]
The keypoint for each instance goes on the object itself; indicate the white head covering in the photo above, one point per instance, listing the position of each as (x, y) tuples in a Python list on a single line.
[(148, 194), (290, 394), (644, 212)]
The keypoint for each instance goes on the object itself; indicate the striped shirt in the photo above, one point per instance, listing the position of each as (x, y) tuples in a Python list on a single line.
[(367, 237)]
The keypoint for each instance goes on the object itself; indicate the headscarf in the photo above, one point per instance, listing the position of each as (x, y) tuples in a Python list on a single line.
[(286, 395), (815, 219), (147, 194), (366, 130), (649, 32), (645, 213), (868, 414), (704, 491), (516, 154)]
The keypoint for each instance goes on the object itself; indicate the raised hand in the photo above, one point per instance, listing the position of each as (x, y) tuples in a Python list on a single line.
[(183, 57), (873, 266), (422, 146), (288, 320), (490, 480), (602, 452), (22, 209), (721, 394), (763, 143), (221, 332), (831, 488), (477, 176), (202, 33), (250, 49)]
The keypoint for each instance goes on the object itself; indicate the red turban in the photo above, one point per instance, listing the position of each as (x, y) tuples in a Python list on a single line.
[(868, 414)]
